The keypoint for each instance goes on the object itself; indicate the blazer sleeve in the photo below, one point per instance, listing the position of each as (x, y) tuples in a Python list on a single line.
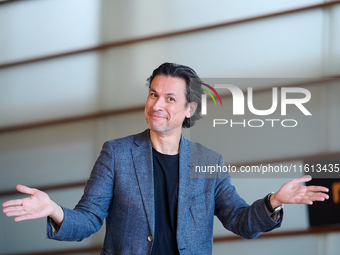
[(88, 215), (236, 215)]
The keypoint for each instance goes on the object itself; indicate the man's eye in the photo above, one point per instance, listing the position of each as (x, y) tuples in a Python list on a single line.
[(171, 99), (153, 95)]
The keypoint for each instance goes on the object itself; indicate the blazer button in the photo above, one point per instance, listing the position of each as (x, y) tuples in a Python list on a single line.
[(150, 238)]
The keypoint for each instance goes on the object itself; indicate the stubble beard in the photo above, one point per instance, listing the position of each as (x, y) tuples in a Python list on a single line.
[(156, 127)]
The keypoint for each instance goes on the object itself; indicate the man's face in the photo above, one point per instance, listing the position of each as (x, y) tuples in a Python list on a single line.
[(166, 106)]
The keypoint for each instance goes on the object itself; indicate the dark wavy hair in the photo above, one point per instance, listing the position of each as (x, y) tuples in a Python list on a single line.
[(193, 92)]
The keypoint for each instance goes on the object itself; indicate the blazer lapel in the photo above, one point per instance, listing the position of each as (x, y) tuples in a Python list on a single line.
[(185, 189), (142, 159)]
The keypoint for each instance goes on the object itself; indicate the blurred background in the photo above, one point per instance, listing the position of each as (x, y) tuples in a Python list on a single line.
[(73, 75)]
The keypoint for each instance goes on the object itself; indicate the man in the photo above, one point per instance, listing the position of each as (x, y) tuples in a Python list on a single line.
[(141, 184)]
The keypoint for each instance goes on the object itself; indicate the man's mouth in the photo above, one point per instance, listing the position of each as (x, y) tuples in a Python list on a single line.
[(157, 116)]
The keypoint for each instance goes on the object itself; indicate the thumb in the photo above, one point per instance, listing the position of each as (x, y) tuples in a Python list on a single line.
[(305, 178), (25, 189)]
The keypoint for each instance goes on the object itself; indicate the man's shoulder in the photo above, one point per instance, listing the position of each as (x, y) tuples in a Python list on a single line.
[(199, 151), (131, 139), (196, 146)]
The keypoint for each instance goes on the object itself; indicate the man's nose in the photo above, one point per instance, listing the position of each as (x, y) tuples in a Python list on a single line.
[(159, 104)]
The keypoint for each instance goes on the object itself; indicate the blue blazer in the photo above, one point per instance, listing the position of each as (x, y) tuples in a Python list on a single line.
[(120, 189)]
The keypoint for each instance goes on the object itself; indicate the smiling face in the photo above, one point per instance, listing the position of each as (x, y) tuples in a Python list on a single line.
[(166, 106)]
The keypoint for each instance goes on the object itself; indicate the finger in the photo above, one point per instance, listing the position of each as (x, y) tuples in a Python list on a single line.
[(24, 217), (310, 201), (16, 213), (317, 196), (25, 189), (306, 201), (317, 189), (12, 203), (12, 208), (316, 193), (320, 199), (305, 178)]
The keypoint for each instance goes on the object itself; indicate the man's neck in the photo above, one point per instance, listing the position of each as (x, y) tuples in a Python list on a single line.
[(165, 143)]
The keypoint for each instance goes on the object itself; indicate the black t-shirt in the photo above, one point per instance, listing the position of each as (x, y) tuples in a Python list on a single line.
[(166, 179)]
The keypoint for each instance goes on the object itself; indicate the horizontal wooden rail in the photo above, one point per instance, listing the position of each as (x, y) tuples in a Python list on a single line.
[(114, 112), (274, 234), (90, 116), (304, 158), (165, 35), (47, 188)]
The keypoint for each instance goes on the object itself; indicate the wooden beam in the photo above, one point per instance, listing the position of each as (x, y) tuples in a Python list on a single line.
[(53, 122), (47, 188), (278, 234)]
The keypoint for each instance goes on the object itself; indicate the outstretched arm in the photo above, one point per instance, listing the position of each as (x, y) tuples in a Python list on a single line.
[(38, 205), (292, 193)]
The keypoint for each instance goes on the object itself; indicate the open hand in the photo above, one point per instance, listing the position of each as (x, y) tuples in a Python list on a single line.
[(38, 205), (292, 193)]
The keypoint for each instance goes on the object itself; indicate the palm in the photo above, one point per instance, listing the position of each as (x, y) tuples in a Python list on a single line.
[(36, 206)]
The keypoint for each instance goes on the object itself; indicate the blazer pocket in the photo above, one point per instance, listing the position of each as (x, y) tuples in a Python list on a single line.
[(201, 206)]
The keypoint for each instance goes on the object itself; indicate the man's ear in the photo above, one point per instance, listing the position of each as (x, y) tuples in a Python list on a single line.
[(193, 106)]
